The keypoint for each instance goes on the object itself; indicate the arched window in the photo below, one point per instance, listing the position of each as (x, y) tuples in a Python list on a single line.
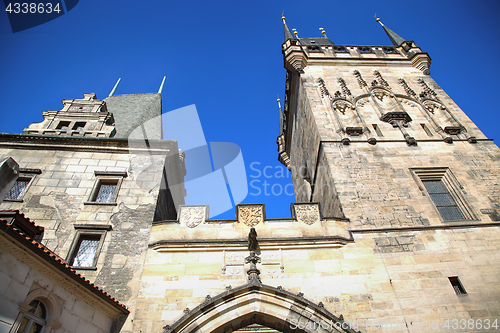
[(34, 319)]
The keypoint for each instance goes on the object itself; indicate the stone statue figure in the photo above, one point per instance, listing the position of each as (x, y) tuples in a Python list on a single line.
[(252, 240)]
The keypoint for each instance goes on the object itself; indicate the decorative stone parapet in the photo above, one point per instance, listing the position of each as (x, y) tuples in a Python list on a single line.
[(194, 231), (250, 215), (307, 213), (192, 216)]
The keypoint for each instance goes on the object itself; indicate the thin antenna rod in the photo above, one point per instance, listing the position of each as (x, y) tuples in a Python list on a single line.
[(161, 86), (116, 85)]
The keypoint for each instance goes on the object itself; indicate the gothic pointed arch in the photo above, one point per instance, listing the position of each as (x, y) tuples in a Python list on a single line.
[(254, 303)]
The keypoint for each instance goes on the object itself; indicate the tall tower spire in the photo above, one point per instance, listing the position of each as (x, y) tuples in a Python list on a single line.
[(288, 33), (396, 39)]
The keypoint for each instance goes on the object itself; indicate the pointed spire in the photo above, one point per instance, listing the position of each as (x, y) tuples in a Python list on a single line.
[(114, 88), (288, 33), (161, 85), (280, 116), (396, 39)]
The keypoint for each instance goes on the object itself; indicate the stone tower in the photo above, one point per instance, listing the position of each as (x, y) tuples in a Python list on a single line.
[(366, 132), (369, 135)]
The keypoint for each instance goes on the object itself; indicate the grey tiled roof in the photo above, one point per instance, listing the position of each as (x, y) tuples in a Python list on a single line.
[(132, 111), (322, 41)]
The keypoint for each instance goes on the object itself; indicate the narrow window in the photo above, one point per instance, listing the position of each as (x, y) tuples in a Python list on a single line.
[(441, 186), (457, 285), (340, 49), (377, 130), (84, 254), (426, 129), (106, 188), (17, 191), (444, 202), (22, 184), (86, 246), (79, 126), (63, 125), (106, 191), (34, 319)]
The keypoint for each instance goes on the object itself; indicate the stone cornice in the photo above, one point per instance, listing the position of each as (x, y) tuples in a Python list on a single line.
[(88, 144), (448, 225)]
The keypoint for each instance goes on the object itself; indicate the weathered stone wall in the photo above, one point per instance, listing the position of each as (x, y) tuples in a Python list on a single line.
[(404, 252), (185, 263), (372, 184), (391, 276), (376, 187), (57, 200)]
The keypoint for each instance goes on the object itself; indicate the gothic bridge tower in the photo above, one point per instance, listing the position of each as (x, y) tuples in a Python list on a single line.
[(369, 135), (366, 132)]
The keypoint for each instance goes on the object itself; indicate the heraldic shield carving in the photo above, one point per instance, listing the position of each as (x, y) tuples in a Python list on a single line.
[(251, 215), (192, 216), (307, 213)]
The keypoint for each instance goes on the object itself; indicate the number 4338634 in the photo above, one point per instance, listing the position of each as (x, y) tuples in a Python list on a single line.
[(32, 8)]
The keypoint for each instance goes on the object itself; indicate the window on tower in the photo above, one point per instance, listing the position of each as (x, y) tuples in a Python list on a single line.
[(87, 245), (441, 186), (22, 184), (63, 125), (106, 188), (79, 125), (443, 200)]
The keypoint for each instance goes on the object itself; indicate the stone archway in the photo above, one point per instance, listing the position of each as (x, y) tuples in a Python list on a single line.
[(258, 304)]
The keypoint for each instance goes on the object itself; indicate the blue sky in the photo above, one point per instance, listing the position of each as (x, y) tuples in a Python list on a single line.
[(225, 57)]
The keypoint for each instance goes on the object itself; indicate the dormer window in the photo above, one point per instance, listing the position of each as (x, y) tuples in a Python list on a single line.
[(79, 126), (63, 125)]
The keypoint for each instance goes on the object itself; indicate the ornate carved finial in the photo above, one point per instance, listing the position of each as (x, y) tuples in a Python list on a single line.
[(381, 79), (252, 240), (228, 288), (300, 295), (280, 288), (408, 90), (341, 318), (361, 82), (344, 88), (166, 328), (253, 272), (321, 305), (322, 88), (186, 311), (428, 92), (472, 139)]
